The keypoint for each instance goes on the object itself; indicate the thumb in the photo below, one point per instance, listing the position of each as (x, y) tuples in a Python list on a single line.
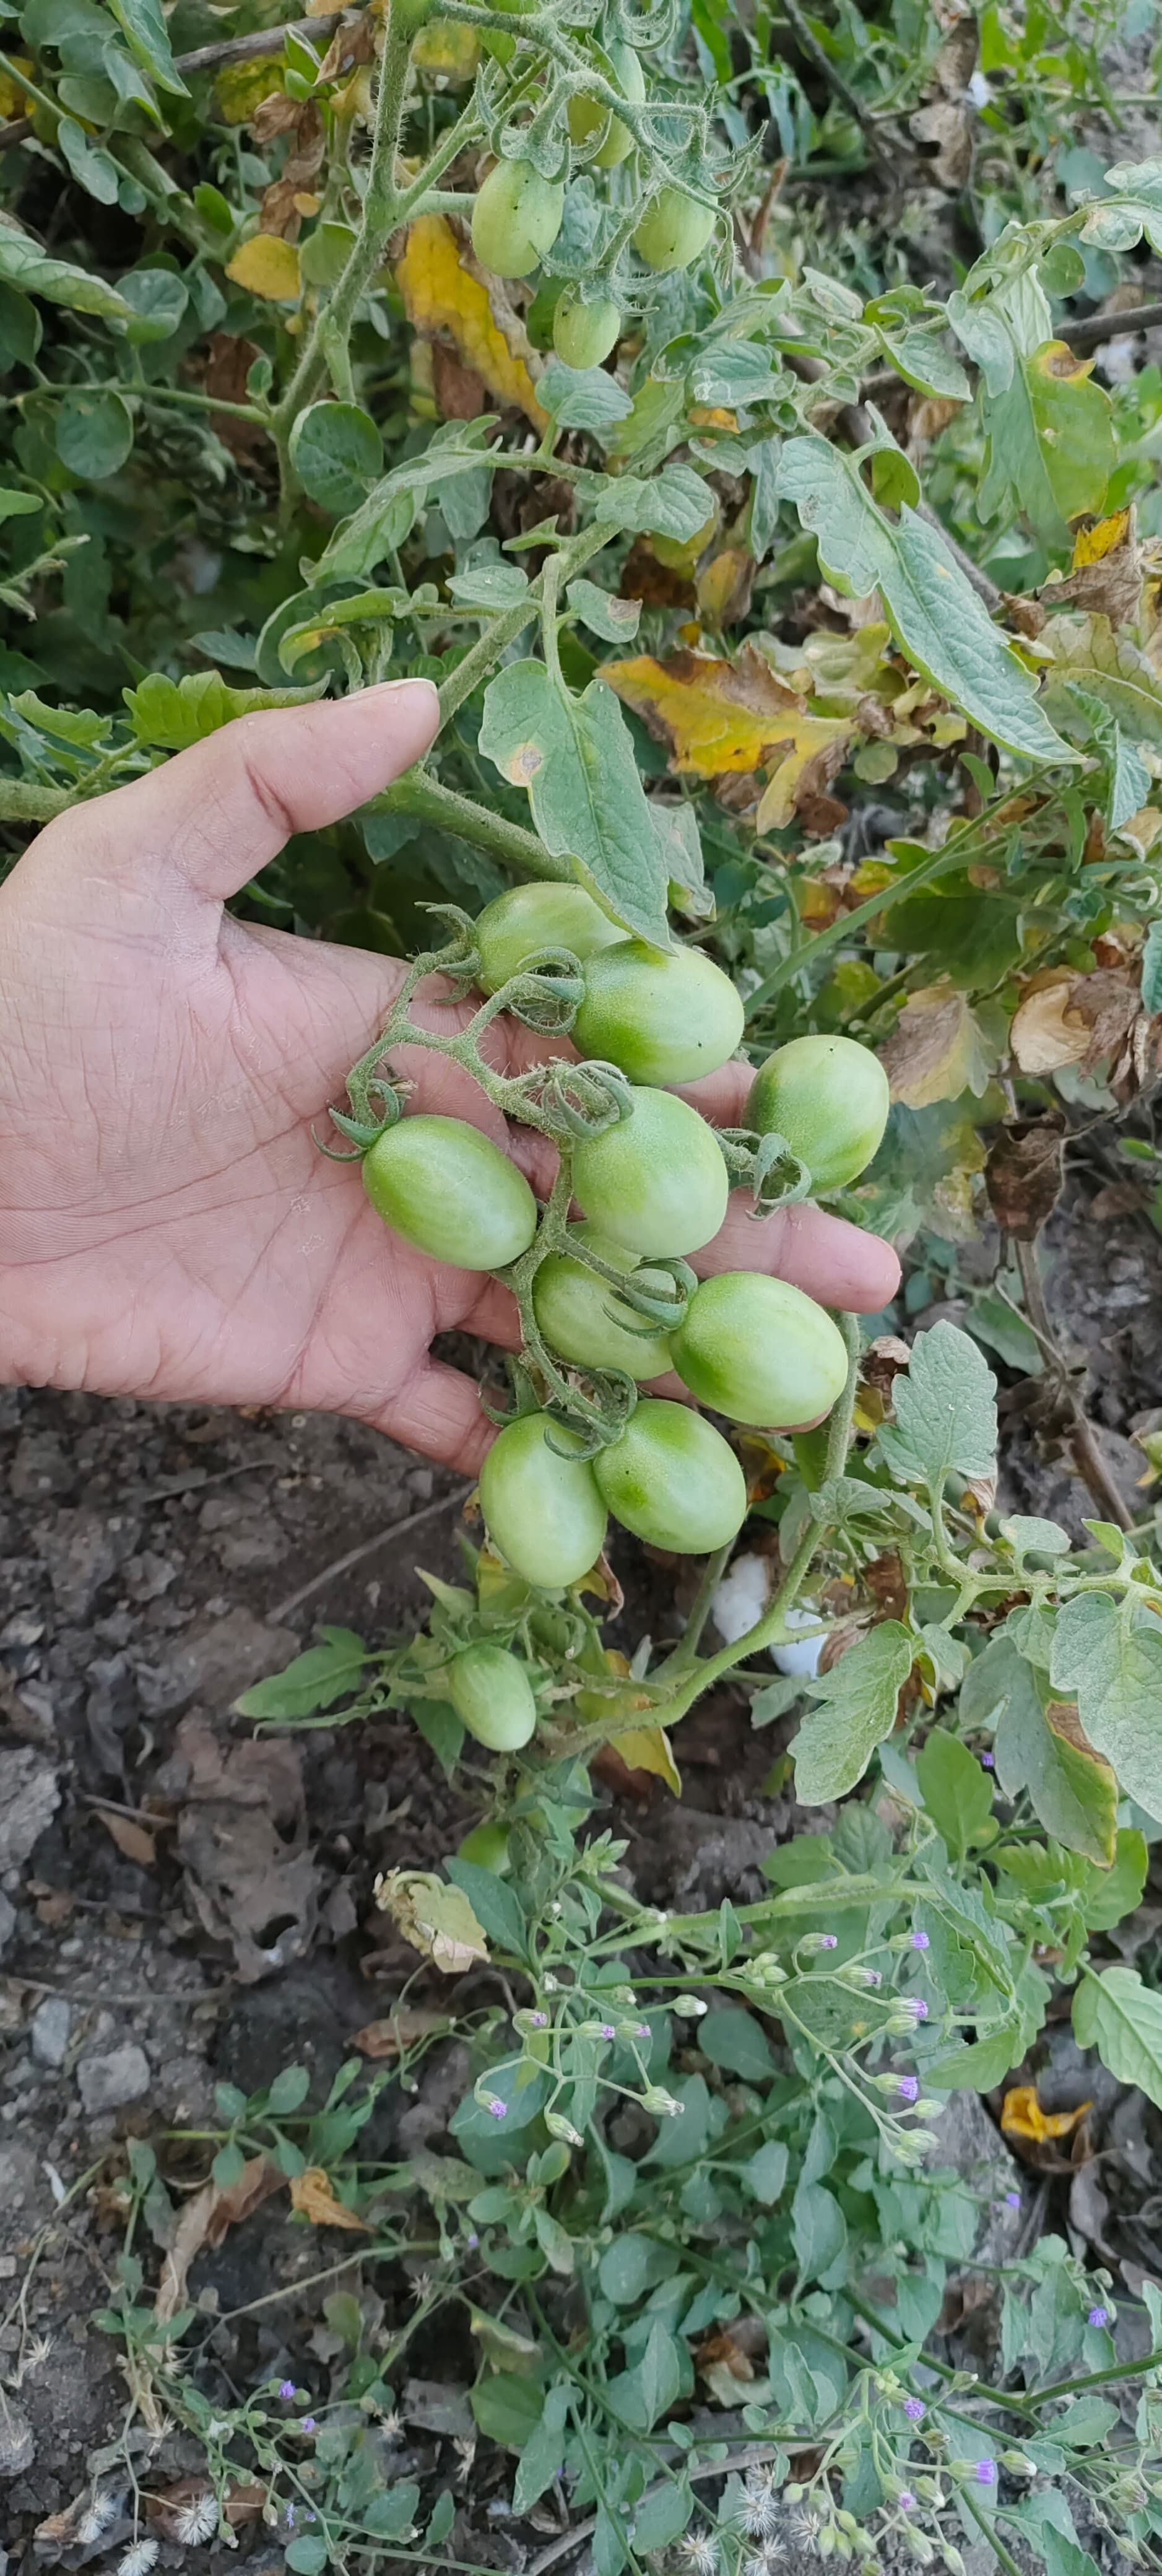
[(214, 815)]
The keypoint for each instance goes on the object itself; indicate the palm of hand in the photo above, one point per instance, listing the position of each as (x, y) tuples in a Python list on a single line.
[(171, 1229)]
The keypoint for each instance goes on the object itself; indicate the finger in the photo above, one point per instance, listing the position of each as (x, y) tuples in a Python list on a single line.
[(216, 814), (721, 1096), (439, 1412), (495, 1317), (832, 1261)]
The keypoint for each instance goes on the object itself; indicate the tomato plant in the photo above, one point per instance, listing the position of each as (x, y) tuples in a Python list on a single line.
[(759, 1351), (662, 1016), (657, 1181), (489, 1690), (830, 1099), (443, 1186), (516, 218), (671, 1478), (541, 1503)]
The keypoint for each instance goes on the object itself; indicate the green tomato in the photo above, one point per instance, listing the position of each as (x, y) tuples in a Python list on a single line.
[(543, 1511), (584, 334), (530, 918), (830, 1099), (487, 1847), (759, 1351), (673, 1480), (516, 218), (586, 114), (663, 1015), (674, 230), (492, 1696), (450, 1190), (658, 1181), (584, 1320)]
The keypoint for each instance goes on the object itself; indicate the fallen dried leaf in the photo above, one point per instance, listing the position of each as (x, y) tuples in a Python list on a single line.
[(242, 1841), (398, 2030), (312, 2195), (1023, 2117), (204, 2222), (130, 1838)]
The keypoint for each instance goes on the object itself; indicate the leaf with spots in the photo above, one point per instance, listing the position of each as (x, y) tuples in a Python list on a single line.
[(575, 758)]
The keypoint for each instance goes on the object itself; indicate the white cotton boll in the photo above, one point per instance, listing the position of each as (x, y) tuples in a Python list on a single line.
[(806, 1657), (1119, 359), (979, 90), (741, 1597)]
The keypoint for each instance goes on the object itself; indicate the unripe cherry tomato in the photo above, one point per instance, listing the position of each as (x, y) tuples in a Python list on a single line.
[(830, 1099), (658, 1181), (584, 334), (530, 918), (759, 1351), (584, 1320), (543, 1511), (447, 1188), (516, 218), (492, 1696), (586, 114), (663, 1015), (487, 1846), (674, 230), (673, 1480)]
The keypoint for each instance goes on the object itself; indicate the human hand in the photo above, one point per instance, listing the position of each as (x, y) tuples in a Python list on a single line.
[(168, 1228)]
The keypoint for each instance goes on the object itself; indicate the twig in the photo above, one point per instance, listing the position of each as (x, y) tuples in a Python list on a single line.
[(340, 1564), (1090, 1465), (1097, 328)]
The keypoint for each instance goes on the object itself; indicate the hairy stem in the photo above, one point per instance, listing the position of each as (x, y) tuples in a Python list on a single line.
[(420, 794)]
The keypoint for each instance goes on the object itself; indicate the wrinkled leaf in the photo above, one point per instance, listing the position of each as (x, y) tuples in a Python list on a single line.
[(855, 1708)]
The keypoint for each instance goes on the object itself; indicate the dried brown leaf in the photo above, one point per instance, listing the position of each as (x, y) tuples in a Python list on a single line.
[(204, 2222), (1024, 1174), (398, 2030), (313, 2196)]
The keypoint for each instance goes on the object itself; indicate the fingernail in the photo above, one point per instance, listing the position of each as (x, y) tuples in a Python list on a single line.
[(401, 689)]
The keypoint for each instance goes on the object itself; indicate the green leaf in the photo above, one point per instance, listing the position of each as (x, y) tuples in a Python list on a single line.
[(615, 620), (490, 585), (94, 434), (288, 2091), (437, 1722), (674, 503), (24, 264), (631, 2265), (931, 607), (336, 451), (856, 1708), (1073, 1793), (1152, 968), (818, 2230), (175, 713), (311, 1681), (1049, 428), (308, 2554), (21, 329), (1090, 655), (921, 357), (1120, 2017), (734, 2040), (543, 2455), (144, 28), (639, 2396), (507, 2407), (383, 520), (575, 757), (980, 2063), (94, 171), (661, 2517), (765, 2172), (20, 505), (1117, 1891), (946, 1418), (956, 1792), (582, 397), (156, 301), (1116, 1671), (493, 1903)]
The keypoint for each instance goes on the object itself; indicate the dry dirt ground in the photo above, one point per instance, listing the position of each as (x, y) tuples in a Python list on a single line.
[(181, 1904)]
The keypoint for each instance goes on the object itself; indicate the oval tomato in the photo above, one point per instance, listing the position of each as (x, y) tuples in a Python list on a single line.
[(584, 334), (673, 1480), (830, 1099), (516, 218), (657, 1182), (759, 1351), (492, 1696), (543, 1511), (450, 1191), (586, 114), (584, 1320), (674, 230), (663, 1015), (530, 918), (487, 1847)]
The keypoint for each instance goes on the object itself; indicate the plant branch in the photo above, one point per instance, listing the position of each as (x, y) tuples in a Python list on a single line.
[(503, 630), (1090, 1465), (418, 793)]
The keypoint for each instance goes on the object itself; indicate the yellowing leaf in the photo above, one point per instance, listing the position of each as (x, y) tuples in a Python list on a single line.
[(718, 717), (1091, 545), (267, 266), (442, 294), (938, 1050), (648, 1748), (437, 1919), (1047, 1031), (448, 49), (312, 2196), (13, 100), (241, 87), (1023, 2117)]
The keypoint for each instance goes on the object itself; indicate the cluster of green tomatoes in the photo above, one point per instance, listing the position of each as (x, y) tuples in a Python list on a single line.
[(518, 214), (652, 1188)]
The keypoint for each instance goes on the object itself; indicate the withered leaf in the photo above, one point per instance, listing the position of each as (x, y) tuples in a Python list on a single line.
[(313, 2196), (1024, 1174)]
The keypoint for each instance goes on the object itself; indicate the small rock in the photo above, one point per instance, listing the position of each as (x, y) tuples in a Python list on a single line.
[(49, 2030), (17, 2440), (29, 1798), (108, 2082), (7, 1920)]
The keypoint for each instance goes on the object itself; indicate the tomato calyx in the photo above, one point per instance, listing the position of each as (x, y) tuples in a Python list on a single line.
[(766, 1166)]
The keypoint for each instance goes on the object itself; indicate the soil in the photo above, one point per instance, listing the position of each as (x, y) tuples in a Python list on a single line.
[(182, 1903)]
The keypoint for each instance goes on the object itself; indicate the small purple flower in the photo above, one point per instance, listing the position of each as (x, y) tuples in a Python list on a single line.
[(906, 2500), (607, 2030), (286, 2388), (908, 2087), (308, 2425), (498, 2110), (472, 2240), (919, 1940), (1012, 2200), (918, 2006), (988, 1761), (642, 2030), (540, 2021), (290, 2517), (986, 2473), (829, 1940), (914, 2409), (1098, 2317)]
